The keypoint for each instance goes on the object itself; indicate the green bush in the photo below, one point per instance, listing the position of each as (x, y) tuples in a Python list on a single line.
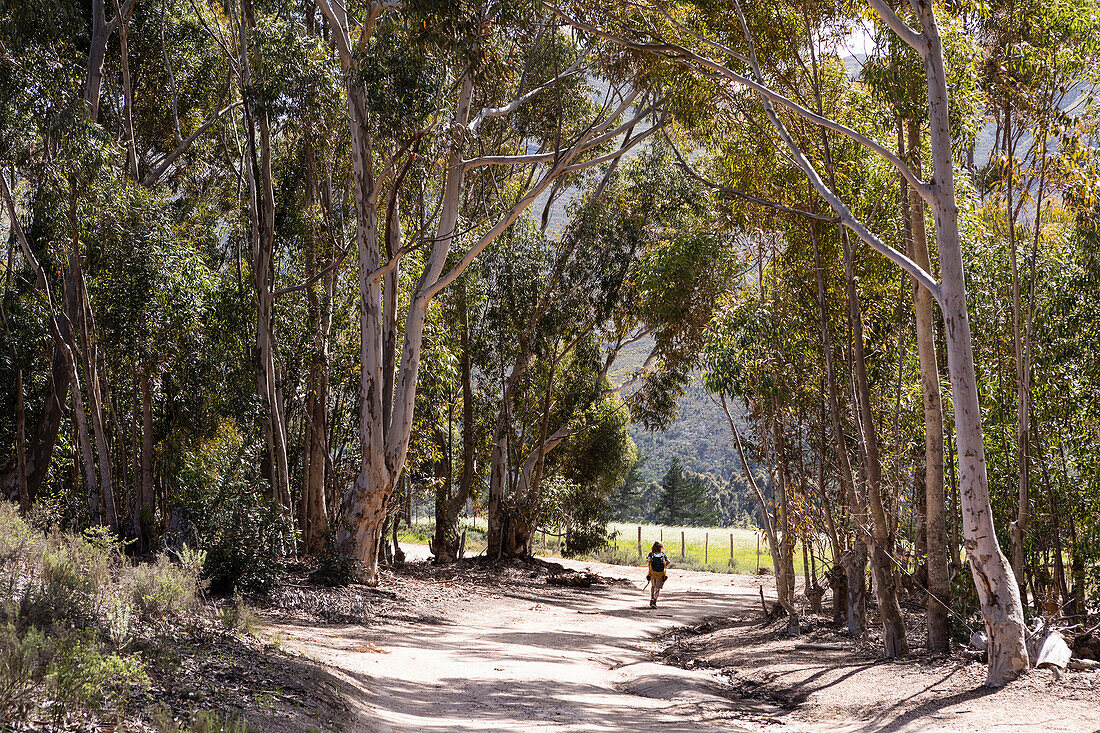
[(22, 666), (66, 615), (66, 575), (84, 675), (247, 541), (163, 589), (66, 511), (239, 616)]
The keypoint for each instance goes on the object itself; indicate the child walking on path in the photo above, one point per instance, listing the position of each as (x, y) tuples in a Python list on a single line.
[(658, 567)]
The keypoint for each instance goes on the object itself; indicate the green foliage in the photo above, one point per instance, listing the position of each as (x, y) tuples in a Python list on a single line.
[(84, 675), (661, 250), (402, 81), (238, 616), (72, 611), (683, 499), (163, 589), (23, 659), (65, 582), (246, 539)]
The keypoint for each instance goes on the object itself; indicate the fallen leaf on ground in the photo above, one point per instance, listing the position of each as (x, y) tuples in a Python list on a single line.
[(371, 648)]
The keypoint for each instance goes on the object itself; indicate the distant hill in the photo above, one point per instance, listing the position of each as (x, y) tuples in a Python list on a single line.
[(700, 438)]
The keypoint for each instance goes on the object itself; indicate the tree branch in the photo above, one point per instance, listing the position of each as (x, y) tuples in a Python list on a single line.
[(675, 51), (154, 175), (914, 40), (532, 193), (741, 194), (485, 160), (847, 218), (519, 101)]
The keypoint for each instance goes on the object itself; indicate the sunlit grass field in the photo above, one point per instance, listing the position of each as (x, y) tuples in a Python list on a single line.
[(689, 548)]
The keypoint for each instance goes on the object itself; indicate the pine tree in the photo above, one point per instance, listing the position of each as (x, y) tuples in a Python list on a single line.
[(670, 504), (684, 499)]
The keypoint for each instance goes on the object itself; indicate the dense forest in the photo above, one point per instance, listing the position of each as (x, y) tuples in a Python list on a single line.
[(276, 270)]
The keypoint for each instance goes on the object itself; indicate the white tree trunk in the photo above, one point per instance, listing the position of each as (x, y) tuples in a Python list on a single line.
[(993, 578)]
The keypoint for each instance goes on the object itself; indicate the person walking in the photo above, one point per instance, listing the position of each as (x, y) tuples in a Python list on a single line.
[(658, 571)]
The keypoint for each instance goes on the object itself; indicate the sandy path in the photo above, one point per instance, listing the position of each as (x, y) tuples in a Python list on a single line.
[(549, 659), (471, 656)]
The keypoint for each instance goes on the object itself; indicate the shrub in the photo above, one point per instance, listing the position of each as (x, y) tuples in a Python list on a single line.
[(162, 589), (82, 675), (22, 665), (102, 540), (19, 548), (67, 511), (335, 565), (246, 545), (239, 616), (66, 574), (119, 617), (15, 535)]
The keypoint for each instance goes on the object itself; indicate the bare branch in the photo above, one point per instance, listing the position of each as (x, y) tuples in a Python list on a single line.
[(616, 154), (520, 100), (154, 175)]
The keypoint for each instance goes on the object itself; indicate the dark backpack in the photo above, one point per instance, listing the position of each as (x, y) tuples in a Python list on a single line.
[(657, 562)]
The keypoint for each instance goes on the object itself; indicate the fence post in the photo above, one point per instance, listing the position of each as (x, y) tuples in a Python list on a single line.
[(758, 553), (639, 540), (706, 548), (662, 530), (681, 544), (731, 549)]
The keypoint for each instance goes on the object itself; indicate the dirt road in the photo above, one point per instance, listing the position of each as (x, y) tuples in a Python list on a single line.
[(550, 659), (459, 653)]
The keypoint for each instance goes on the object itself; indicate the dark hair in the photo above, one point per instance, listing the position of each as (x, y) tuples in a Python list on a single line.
[(657, 547)]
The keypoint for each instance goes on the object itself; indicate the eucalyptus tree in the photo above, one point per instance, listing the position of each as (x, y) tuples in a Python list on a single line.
[(1038, 64), (893, 72), (720, 42), (758, 355), (129, 147), (477, 96), (788, 220), (634, 268), (549, 304)]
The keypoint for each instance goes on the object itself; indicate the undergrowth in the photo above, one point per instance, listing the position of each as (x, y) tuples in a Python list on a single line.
[(78, 621)]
